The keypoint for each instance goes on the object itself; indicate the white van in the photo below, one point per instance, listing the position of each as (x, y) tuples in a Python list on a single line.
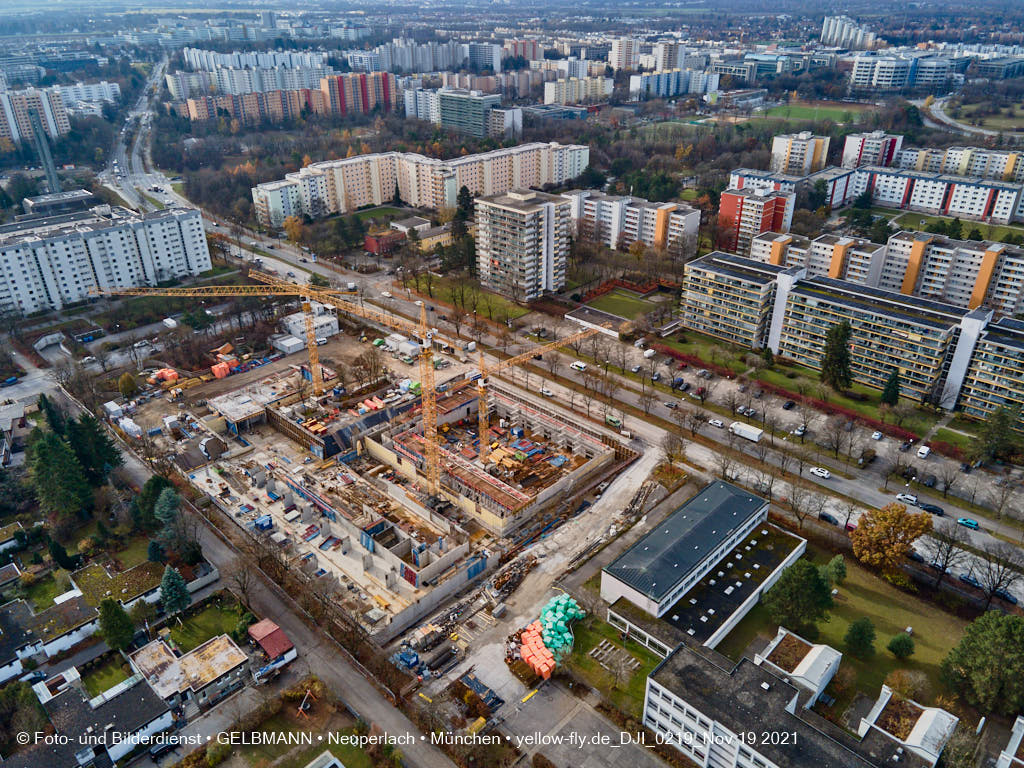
[(578, 366), (923, 451)]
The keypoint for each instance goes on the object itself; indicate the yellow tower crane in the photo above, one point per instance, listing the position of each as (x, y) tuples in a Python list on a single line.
[(272, 286), (483, 415)]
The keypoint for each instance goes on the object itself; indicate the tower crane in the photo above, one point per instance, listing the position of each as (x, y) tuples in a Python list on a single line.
[(483, 417), (272, 286)]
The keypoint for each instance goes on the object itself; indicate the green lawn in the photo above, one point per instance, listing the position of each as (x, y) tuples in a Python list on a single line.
[(891, 611), (709, 349), (178, 187), (260, 756), (622, 303), (106, 676), (920, 221), (135, 551), (490, 305), (42, 592), (1000, 122), (920, 421), (375, 213), (954, 438), (839, 114), (209, 622), (689, 195), (628, 696)]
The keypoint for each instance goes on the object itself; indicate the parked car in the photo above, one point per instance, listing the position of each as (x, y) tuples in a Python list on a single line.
[(923, 451), (934, 509), (965, 468), (546, 392), (826, 517), (929, 481), (385, 294), (916, 556), (877, 435), (789, 405), (741, 410), (967, 578), (907, 498), (821, 472), (635, 369), (906, 446), (1002, 594), (684, 387), (743, 387), (968, 522), (717, 423), (751, 413), (88, 359), (800, 431), (656, 376), (759, 394), (670, 405)]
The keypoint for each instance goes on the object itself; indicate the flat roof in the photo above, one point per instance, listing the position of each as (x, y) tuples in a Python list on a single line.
[(737, 266), (170, 674), (663, 557)]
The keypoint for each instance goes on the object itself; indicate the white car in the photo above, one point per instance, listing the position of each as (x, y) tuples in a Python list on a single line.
[(876, 435), (89, 359), (546, 392), (821, 472), (717, 423), (907, 498), (385, 294)]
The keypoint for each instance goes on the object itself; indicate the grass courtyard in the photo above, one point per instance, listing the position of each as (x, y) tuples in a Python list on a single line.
[(890, 610), (106, 676), (1000, 122), (42, 592), (213, 620), (489, 305), (134, 552), (623, 303), (840, 113), (919, 222), (627, 695), (709, 349), (378, 213)]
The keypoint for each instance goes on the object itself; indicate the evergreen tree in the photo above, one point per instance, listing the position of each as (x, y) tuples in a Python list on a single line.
[(146, 501), (987, 665), (901, 646), (61, 557), (115, 625), (397, 199), (464, 202), (975, 235), (891, 392), (54, 415), (173, 591), (860, 638), (800, 598), (57, 478), (155, 552), (166, 513), (835, 361), (95, 450), (955, 229), (767, 356)]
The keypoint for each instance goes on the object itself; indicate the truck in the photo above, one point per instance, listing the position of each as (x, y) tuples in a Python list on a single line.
[(866, 457), (746, 431), (649, 353)]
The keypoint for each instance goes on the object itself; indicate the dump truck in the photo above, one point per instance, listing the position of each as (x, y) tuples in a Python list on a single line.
[(746, 431)]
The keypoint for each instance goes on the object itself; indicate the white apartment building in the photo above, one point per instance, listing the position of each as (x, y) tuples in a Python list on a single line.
[(799, 153), (619, 221), (673, 82), (838, 257), (522, 242), (844, 32), (345, 185), (999, 202), (17, 106), (625, 53), (200, 59), (576, 90), (763, 182), (72, 95), (977, 162), (423, 104), (183, 85), (238, 81), (875, 148), (484, 56), (52, 262)]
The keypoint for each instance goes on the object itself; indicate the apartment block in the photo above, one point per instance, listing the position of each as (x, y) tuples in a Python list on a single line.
[(625, 53), (576, 90), (664, 84), (730, 297), (799, 154), (52, 262), (522, 242), (618, 221), (16, 108), (995, 376), (252, 108), (359, 92), (484, 56), (998, 202), (339, 186), (745, 214), (528, 49), (874, 148), (466, 111), (842, 258), (73, 95), (423, 104), (844, 32), (183, 85), (763, 182), (200, 59), (976, 162)]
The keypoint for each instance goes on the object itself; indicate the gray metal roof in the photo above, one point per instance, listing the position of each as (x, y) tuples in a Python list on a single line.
[(669, 551)]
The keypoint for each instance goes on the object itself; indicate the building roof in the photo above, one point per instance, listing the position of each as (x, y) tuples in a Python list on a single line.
[(73, 716), (7, 532), (669, 551), (271, 638), (522, 200), (749, 698), (737, 266), (170, 674), (15, 629), (9, 573)]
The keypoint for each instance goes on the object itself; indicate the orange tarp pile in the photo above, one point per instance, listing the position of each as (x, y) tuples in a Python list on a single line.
[(533, 652)]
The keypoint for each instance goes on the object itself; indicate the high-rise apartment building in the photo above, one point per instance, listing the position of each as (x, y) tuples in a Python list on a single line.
[(103, 91), (978, 162), (522, 243), (527, 49), (16, 107), (578, 90), (844, 32), (339, 186), (466, 111), (799, 153), (875, 148), (745, 214), (625, 53), (665, 84), (423, 104), (51, 262), (619, 221), (484, 56), (359, 92)]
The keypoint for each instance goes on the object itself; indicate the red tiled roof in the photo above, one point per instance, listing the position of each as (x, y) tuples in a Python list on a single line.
[(271, 638)]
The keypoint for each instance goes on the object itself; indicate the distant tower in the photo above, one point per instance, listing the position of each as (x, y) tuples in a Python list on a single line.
[(43, 150)]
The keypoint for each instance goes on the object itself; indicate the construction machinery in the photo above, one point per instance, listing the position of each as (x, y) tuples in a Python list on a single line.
[(483, 412)]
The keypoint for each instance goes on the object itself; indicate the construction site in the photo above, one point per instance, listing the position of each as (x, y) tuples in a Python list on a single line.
[(379, 485)]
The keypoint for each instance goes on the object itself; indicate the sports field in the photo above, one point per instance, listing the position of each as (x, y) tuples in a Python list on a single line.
[(840, 113), (622, 303)]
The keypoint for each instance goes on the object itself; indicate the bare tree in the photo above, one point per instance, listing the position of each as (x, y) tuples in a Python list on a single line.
[(240, 577), (726, 464), (949, 476), (1000, 496), (801, 501), (674, 447), (647, 401), (704, 391), (766, 482), (695, 419), (733, 400), (620, 667), (944, 547), (847, 509), (999, 568), (771, 422), (833, 435)]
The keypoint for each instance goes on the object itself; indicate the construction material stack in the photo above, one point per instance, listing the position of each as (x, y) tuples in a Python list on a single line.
[(546, 641)]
